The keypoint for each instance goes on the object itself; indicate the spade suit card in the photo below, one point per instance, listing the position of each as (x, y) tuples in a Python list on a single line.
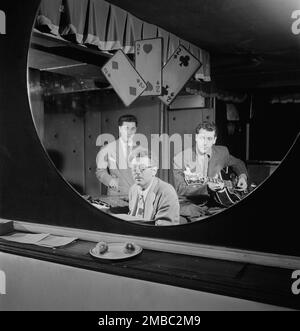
[(176, 72), (148, 63), (123, 77)]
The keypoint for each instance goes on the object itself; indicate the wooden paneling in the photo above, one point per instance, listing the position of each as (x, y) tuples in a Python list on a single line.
[(184, 121), (102, 117), (64, 141), (91, 132), (146, 109), (208, 114), (71, 139)]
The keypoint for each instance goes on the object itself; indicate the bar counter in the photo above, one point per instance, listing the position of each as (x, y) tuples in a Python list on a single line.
[(240, 280)]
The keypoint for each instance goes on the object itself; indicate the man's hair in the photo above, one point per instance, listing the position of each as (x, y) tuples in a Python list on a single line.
[(141, 152), (127, 118), (208, 126)]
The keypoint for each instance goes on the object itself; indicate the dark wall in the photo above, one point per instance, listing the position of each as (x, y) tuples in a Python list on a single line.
[(232, 133), (33, 190), (273, 129), (72, 124)]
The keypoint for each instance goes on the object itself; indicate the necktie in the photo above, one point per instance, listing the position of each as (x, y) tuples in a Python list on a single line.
[(128, 151), (140, 206)]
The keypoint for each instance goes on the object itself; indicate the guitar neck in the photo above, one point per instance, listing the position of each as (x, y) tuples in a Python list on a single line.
[(227, 183), (206, 180)]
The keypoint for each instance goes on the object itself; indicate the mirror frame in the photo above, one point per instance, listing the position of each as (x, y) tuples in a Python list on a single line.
[(33, 190)]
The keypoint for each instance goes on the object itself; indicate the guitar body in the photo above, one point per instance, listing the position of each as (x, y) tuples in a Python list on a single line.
[(228, 196)]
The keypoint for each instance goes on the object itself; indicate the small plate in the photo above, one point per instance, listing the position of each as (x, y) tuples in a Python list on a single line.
[(116, 252)]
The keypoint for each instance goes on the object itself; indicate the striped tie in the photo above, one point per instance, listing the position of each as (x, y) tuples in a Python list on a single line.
[(141, 206)]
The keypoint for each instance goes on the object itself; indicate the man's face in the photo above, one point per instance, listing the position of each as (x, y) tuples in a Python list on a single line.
[(127, 131), (205, 139), (142, 171)]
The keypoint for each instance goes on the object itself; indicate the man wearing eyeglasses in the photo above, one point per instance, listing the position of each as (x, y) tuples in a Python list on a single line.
[(150, 198), (206, 160), (112, 159)]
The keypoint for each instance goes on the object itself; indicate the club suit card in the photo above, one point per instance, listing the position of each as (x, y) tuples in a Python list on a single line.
[(148, 63), (123, 77), (176, 72)]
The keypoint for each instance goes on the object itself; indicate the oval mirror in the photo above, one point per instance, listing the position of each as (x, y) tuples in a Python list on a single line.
[(92, 137)]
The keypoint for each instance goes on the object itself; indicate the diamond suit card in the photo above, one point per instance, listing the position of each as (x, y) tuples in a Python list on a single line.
[(123, 77)]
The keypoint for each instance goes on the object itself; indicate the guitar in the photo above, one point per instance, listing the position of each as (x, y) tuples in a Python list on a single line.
[(226, 197), (230, 194)]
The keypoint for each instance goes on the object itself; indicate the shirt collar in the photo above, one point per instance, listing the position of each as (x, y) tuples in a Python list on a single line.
[(145, 192), (208, 154), (124, 144)]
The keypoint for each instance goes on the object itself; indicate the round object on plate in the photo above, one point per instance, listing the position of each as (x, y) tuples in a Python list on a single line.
[(118, 251), (101, 248), (129, 248)]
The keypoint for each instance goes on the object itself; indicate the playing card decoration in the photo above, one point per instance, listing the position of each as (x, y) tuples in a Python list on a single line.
[(176, 72), (123, 77), (148, 63), (147, 78)]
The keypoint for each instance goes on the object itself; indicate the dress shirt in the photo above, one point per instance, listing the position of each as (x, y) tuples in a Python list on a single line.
[(202, 163)]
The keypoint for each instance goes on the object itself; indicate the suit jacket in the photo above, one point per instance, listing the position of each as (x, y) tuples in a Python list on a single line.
[(161, 203), (112, 163), (219, 159)]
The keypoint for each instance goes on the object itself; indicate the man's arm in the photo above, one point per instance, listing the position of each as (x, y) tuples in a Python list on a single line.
[(168, 209), (181, 187), (239, 168), (102, 167), (237, 165)]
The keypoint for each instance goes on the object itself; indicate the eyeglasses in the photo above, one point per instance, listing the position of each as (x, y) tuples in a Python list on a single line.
[(141, 169)]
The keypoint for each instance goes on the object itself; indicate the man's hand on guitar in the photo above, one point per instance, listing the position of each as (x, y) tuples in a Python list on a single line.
[(216, 186), (113, 184), (242, 183)]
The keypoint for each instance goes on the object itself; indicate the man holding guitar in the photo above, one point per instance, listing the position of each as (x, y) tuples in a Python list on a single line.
[(197, 172)]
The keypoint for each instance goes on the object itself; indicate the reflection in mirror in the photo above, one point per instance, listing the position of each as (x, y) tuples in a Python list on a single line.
[(213, 145)]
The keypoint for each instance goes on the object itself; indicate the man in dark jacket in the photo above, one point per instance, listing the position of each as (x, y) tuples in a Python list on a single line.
[(206, 160)]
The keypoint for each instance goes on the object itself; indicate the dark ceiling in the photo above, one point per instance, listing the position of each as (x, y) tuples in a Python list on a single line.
[(251, 40)]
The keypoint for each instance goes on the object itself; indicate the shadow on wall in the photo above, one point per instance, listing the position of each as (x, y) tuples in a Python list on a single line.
[(58, 160)]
